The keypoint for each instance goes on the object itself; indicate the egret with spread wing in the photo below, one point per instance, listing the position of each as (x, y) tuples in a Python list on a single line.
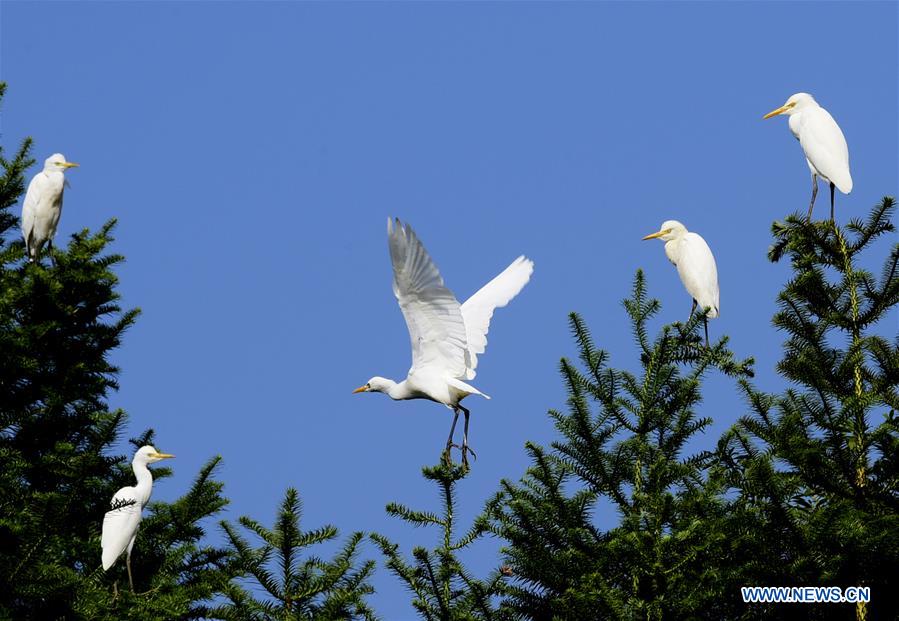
[(121, 522), (43, 205), (695, 265), (822, 140), (447, 337)]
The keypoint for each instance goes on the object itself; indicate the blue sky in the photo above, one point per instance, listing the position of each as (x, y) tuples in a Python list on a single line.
[(252, 152)]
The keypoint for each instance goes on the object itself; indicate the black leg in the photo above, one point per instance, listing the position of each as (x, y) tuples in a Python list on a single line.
[(128, 564), (449, 441), (814, 194), (692, 309), (465, 448), (831, 201), (706, 322)]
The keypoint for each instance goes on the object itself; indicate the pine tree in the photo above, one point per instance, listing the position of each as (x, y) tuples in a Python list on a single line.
[(662, 560), (304, 588), (59, 321), (443, 589), (819, 463)]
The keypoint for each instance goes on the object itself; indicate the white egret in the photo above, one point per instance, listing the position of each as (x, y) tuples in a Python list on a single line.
[(822, 141), (121, 523), (43, 205), (695, 266), (447, 337)]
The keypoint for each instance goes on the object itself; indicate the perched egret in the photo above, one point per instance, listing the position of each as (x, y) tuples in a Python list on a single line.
[(446, 336), (43, 205), (822, 141), (120, 524), (695, 266)]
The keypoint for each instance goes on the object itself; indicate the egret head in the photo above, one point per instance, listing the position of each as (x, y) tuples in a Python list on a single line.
[(671, 229), (57, 162), (149, 455), (376, 384), (794, 104)]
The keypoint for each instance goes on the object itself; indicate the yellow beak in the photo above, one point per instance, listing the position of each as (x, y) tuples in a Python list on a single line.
[(780, 110), (654, 235), (163, 456), (360, 389), (69, 165)]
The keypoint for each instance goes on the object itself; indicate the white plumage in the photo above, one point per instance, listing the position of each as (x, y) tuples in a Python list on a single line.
[(43, 205), (121, 523), (446, 336), (822, 141), (695, 265)]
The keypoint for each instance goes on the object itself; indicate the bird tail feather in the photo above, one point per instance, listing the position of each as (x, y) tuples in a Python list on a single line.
[(466, 388)]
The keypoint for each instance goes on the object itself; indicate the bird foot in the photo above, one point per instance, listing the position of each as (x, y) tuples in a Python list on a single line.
[(447, 459)]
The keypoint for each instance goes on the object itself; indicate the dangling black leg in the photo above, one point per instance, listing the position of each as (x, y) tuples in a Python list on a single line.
[(814, 194), (831, 201), (692, 309), (128, 564), (705, 320), (449, 441), (465, 448)]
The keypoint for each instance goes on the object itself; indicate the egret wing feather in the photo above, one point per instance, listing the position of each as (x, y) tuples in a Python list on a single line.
[(825, 147), (697, 270), (478, 309), (432, 313), (119, 525), (30, 206)]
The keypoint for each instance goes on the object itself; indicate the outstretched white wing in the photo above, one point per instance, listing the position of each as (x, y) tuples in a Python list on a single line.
[(478, 309), (431, 310), (119, 525)]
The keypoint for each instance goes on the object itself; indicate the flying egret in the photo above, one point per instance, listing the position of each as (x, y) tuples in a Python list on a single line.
[(43, 205), (120, 524), (822, 141), (695, 266), (446, 337)]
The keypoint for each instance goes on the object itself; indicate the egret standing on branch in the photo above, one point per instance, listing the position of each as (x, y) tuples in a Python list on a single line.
[(447, 337), (43, 205), (822, 141), (120, 524), (695, 265)]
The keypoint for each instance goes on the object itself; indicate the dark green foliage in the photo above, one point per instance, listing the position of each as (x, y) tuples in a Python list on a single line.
[(817, 465), (12, 185), (663, 559), (296, 587), (59, 321), (442, 587)]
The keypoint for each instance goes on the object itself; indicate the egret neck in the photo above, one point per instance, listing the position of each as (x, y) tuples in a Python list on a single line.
[(144, 486)]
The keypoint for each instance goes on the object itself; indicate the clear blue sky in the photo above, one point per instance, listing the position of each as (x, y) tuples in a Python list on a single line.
[(253, 151)]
